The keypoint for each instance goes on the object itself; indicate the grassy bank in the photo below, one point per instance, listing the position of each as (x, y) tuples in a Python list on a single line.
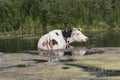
[(40, 31)]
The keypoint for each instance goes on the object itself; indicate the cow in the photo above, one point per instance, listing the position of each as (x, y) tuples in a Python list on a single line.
[(59, 39)]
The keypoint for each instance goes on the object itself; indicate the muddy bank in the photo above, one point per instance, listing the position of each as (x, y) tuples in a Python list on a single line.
[(94, 64)]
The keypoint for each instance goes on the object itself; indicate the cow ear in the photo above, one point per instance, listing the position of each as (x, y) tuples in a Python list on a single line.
[(79, 29), (74, 29)]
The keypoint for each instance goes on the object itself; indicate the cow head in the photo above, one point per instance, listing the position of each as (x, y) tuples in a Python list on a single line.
[(78, 36)]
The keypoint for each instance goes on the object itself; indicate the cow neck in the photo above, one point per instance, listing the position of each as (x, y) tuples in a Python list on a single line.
[(67, 35)]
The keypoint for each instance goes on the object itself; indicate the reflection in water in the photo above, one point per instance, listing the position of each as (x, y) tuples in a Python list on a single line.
[(78, 52), (56, 54), (17, 44)]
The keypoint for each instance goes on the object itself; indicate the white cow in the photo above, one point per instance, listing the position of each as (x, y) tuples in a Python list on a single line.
[(58, 39)]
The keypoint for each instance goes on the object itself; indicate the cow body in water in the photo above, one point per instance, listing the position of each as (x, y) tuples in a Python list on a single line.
[(59, 39)]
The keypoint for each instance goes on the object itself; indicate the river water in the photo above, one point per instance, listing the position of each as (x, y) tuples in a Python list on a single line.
[(96, 39)]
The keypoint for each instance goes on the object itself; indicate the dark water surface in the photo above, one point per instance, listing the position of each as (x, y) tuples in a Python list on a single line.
[(96, 39), (18, 44)]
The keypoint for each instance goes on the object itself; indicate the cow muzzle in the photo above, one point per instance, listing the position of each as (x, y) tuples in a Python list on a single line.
[(86, 39)]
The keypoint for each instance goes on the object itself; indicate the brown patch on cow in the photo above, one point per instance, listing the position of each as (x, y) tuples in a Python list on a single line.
[(51, 44)]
